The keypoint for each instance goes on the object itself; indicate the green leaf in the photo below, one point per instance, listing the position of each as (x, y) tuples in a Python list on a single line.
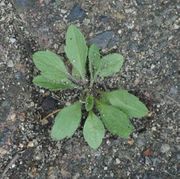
[(53, 70), (127, 102), (49, 84), (66, 122), (110, 64), (75, 74), (94, 59), (76, 49), (93, 131), (51, 65), (116, 121), (89, 103)]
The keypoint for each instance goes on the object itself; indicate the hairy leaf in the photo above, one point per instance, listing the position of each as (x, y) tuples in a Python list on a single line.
[(110, 64), (116, 121), (127, 102), (75, 74), (41, 81), (76, 49), (89, 103), (66, 122), (94, 59), (93, 131), (50, 64)]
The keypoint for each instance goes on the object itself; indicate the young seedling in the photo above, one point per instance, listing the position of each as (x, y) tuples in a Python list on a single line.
[(114, 108)]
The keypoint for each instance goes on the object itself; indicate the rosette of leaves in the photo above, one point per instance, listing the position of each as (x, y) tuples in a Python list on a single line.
[(115, 108)]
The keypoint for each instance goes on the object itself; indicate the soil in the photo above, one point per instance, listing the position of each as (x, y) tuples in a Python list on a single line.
[(146, 33)]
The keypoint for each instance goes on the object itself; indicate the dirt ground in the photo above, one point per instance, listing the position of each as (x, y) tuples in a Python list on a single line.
[(146, 33)]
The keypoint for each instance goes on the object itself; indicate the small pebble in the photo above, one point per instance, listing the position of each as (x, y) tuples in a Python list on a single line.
[(86, 21), (108, 142), (165, 148), (21, 145), (105, 168), (10, 64), (30, 144), (11, 117), (152, 66), (13, 166), (118, 161), (130, 141), (176, 27), (3, 152), (12, 40), (153, 128), (38, 157), (63, 11), (173, 90), (119, 31)]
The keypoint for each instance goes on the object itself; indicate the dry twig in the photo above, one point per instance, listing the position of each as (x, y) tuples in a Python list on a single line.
[(13, 160), (49, 115)]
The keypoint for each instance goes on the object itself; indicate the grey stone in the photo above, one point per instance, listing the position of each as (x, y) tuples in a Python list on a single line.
[(76, 13), (25, 3), (4, 109), (134, 46), (104, 18), (108, 160), (178, 156), (10, 64), (148, 161), (165, 148), (173, 90), (106, 39), (140, 142), (49, 104), (12, 40), (143, 2), (118, 161), (76, 176), (155, 161), (19, 76)]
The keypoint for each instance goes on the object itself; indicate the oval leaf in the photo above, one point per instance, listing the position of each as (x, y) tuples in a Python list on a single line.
[(76, 49), (89, 103), (93, 131), (51, 65), (116, 121), (49, 84), (127, 102), (94, 59), (66, 122), (110, 64), (75, 74)]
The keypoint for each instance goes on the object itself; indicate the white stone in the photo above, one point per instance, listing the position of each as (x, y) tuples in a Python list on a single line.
[(152, 66), (176, 27), (12, 40), (105, 168), (119, 31), (118, 161), (63, 11), (30, 144), (10, 63)]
